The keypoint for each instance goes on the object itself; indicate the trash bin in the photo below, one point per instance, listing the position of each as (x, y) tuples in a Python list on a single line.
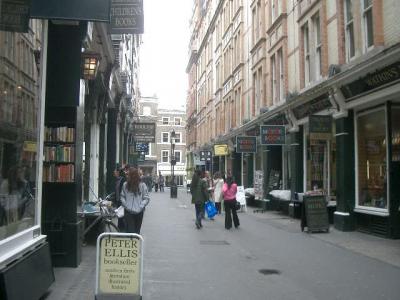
[(174, 191)]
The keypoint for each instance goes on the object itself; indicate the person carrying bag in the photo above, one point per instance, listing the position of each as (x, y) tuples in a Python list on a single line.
[(229, 191)]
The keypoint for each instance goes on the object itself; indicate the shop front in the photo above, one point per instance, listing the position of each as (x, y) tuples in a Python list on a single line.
[(24, 252), (373, 103)]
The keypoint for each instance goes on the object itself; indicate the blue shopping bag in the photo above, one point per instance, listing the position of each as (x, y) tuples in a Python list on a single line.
[(210, 209)]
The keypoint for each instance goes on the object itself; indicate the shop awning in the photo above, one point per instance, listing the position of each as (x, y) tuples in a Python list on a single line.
[(80, 10)]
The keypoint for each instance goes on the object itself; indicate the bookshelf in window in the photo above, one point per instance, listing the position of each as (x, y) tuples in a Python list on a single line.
[(59, 154)]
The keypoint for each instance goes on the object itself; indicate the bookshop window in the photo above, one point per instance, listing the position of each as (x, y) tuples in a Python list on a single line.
[(321, 163), (371, 159), (19, 108), (396, 134)]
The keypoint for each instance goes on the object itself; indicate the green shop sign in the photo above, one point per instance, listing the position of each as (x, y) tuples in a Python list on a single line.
[(246, 144), (272, 135), (320, 127), (389, 74)]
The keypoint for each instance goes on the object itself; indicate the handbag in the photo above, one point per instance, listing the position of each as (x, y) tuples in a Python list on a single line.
[(120, 212), (238, 206), (210, 209)]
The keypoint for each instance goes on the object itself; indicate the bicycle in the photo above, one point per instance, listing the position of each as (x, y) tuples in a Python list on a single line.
[(105, 215)]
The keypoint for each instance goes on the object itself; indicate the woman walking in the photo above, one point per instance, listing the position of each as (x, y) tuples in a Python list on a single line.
[(229, 190), (134, 198), (218, 196), (198, 188)]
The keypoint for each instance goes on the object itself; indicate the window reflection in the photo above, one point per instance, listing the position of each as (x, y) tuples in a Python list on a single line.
[(19, 105)]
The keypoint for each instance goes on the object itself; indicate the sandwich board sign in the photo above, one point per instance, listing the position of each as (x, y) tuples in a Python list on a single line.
[(119, 266)]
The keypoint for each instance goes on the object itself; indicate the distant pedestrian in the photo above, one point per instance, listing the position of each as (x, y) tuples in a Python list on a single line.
[(218, 196), (229, 190), (161, 182), (134, 198), (198, 188)]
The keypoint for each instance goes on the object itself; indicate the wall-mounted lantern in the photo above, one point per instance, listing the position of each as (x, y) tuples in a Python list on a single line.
[(90, 65)]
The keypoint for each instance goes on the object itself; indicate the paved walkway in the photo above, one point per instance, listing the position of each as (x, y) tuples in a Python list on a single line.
[(78, 283)]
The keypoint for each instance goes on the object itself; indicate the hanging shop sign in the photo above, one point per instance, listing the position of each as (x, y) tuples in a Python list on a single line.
[(309, 108), (272, 135), (144, 132), (221, 150), (85, 10), (277, 120), (320, 127), (246, 144), (119, 265), (126, 17), (387, 75), (14, 15), (254, 131), (142, 147), (205, 155)]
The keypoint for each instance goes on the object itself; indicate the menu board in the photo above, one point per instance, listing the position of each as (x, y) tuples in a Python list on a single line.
[(258, 185), (316, 213)]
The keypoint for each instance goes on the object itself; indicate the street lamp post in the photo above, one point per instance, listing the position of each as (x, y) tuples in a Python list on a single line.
[(174, 189)]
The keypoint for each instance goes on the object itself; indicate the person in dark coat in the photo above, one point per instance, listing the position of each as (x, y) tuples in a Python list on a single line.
[(199, 191), (120, 178)]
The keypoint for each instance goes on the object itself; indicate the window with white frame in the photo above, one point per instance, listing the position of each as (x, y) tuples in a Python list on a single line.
[(165, 137), (306, 58), (178, 121), (165, 156), (165, 120), (372, 167), (273, 12), (178, 156), (368, 24), (317, 46), (178, 137), (349, 28)]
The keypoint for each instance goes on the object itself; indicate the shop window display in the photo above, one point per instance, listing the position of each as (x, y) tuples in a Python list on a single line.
[(321, 164), (372, 164), (19, 106)]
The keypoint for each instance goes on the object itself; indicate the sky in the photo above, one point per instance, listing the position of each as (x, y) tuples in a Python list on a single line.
[(164, 52)]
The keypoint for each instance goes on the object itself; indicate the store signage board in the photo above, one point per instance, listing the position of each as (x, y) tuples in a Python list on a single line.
[(277, 120), (320, 127), (385, 76), (272, 135), (126, 17), (316, 213), (14, 15), (142, 147), (119, 265), (309, 108), (258, 184), (246, 144), (221, 150), (144, 132), (84, 10)]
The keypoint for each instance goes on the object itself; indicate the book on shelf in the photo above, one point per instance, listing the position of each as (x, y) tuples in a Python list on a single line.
[(60, 134), (59, 173), (59, 153)]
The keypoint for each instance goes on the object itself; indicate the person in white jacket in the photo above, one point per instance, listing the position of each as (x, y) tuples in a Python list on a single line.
[(218, 196), (134, 198)]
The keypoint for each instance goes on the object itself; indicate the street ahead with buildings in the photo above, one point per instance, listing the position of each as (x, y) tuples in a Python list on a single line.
[(268, 257)]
